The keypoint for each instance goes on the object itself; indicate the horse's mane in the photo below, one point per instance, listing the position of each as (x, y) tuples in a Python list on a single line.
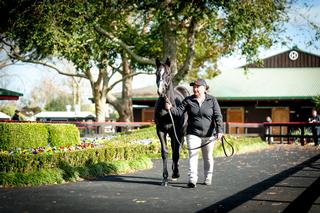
[(182, 90)]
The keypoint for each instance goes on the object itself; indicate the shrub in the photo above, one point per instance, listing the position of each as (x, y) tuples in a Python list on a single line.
[(69, 173), (44, 176), (63, 134), (78, 158), (27, 135), (23, 135)]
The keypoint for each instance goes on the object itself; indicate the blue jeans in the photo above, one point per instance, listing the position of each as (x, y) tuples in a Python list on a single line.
[(316, 135)]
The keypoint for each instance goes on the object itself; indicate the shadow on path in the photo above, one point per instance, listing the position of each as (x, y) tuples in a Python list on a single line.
[(131, 179), (302, 203), (141, 180)]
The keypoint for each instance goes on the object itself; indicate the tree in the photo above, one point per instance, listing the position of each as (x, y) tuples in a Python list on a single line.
[(58, 103), (8, 109), (94, 34), (316, 101), (45, 92), (194, 32), (302, 28), (44, 31)]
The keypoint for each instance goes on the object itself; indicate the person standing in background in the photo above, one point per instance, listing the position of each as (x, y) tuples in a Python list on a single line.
[(269, 130), (16, 116), (315, 129)]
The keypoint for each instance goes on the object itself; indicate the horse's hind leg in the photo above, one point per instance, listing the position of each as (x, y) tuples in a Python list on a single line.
[(164, 155)]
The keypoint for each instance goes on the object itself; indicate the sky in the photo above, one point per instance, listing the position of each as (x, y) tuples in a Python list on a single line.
[(24, 77)]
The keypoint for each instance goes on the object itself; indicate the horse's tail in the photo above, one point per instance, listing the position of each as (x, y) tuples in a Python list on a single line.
[(182, 90)]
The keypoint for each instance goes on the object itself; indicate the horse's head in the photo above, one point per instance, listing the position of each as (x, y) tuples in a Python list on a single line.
[(163, 75)]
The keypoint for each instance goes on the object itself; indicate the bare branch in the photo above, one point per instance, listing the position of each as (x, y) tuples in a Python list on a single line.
[(127, 76), (22, 59), (115, 70), (4, 64), (16, 56), (111, 99)]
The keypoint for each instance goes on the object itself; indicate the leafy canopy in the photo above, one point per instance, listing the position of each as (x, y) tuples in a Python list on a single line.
[(199, 31)]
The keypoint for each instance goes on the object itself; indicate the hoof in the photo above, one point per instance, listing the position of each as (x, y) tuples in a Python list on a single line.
[(164, 183), (175, 176)]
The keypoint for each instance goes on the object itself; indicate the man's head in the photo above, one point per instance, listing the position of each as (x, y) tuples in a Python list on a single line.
[(200, 82), (199, 87), (314, 112)]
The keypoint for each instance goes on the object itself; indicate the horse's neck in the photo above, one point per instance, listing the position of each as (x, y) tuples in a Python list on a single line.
[(170, 94)]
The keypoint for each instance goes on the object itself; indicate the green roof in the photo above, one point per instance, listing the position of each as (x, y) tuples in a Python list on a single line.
[(5, 92), (266, 83), (256, 84)]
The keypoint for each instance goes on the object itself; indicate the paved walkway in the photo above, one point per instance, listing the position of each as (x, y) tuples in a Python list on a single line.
[(283, 178)]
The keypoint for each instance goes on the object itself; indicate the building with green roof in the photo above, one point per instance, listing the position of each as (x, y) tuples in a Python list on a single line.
[(9, 95), (282, 88)]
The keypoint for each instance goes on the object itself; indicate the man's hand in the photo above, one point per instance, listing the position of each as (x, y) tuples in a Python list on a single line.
[(213, 138), (311, 120), (168, 106), (219, 136)]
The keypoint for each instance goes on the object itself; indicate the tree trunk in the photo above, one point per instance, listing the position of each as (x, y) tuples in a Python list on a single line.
[(100, 103), (126, 111), (76, 92), (170, 44), (100, 112)]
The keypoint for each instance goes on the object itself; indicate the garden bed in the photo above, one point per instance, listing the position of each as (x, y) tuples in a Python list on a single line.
[(115, 154)]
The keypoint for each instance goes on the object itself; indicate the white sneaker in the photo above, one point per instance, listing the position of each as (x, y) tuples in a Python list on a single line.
[(208, 181)]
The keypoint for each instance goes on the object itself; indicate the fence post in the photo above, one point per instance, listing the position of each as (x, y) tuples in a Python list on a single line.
[(227, 128), (281, 133), (270, 133), (288, 133), (302, 135)]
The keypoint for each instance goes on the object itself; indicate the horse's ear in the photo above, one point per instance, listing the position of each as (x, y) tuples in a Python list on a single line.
[(168, 62), (158, 62)]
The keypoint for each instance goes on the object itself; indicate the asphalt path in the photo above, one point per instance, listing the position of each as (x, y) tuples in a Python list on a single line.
[(282, 178)]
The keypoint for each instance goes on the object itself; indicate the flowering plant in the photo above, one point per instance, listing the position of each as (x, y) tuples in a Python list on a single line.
[(50, 150)]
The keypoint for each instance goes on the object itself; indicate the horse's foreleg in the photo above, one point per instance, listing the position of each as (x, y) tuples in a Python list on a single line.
[(175, 146), (164, 155)]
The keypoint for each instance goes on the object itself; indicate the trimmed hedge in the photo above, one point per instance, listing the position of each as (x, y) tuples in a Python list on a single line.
[(66, 172), (40, 177), (63, 134), (120, 154), (26, 135), (23, 135), (27, 163)]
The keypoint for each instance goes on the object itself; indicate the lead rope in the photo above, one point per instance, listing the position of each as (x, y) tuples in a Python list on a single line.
[(223, 139), (173, 125)]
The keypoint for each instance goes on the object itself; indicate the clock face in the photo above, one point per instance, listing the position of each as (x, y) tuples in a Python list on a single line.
[(293, 55)]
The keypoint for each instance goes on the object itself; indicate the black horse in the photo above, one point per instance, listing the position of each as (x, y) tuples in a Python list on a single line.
[(164, 124)]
